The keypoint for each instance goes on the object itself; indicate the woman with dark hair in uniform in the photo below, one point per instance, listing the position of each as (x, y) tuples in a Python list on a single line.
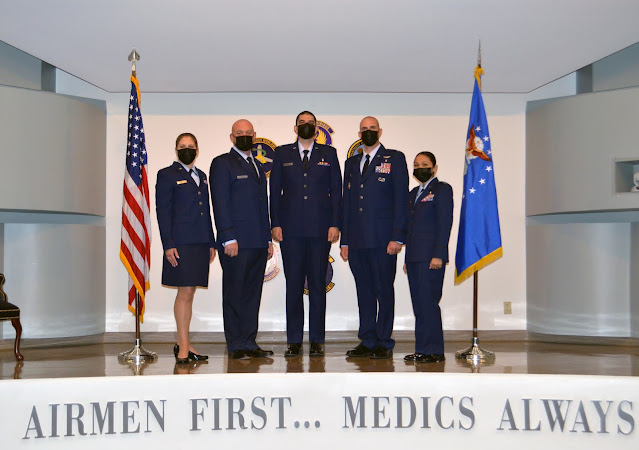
[(184, 219), (430, 218)]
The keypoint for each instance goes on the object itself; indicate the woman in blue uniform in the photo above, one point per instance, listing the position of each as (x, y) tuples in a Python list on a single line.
[(184, 219), (430, 218)]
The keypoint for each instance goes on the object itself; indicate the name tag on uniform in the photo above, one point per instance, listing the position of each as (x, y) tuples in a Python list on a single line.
[(287, 164), (180, 182), (241, 177), (383, 168), (382, 179)]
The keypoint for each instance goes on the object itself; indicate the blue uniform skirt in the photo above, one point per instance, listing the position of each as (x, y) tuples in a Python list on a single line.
[(192, 268)]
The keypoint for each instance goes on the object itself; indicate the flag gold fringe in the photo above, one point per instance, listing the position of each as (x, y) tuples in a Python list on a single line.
[(137, 88), (137, 285), (486, 260), (478, 73)]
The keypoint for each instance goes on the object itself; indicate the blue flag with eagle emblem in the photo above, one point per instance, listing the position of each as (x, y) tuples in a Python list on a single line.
[(479, 238)]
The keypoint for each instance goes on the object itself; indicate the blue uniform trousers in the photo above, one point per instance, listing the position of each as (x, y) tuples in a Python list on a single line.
[(305, 258), (242, 281), (374, 273), (426, 292)]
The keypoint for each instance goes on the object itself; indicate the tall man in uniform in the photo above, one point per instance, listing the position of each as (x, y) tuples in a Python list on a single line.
[(240, 206), (373, 230), (306, 197)]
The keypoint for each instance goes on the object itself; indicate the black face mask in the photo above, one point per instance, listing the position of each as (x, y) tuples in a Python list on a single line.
[(244, 143), (423, 174), (187, 155), (370, 137), (306, 130)]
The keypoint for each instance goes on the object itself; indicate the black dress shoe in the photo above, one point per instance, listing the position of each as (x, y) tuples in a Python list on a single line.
[(382, 353), (317, 349), (196, 357), (432, 358), (359, 351), (258, 353), (176, 350), (192, 356), (414, 357), (293, 350), (237, 354)]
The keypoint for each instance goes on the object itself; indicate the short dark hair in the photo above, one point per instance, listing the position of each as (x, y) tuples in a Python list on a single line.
[(305, 112), (430, 156), (183, 135)]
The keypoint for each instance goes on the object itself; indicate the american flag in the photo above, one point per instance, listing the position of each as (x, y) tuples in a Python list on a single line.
[(135, 246)]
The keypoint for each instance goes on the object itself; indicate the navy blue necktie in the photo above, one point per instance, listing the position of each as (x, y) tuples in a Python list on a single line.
[(305, 160), (250, 161), (368, 160)]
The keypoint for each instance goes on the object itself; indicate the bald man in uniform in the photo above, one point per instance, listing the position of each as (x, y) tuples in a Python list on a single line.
[(373, 231), (240, 207)]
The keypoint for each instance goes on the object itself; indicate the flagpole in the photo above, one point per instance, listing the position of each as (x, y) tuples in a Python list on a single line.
[(137, 354), (475, 353)]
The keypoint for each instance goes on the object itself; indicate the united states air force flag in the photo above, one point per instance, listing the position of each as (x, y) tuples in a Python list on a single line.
[(479, 239)]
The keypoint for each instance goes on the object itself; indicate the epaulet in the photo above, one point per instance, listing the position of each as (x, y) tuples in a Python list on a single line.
[(283, 146)]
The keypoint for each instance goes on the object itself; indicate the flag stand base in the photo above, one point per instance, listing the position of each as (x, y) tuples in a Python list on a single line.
[(137, 354), (475, 353), (137, 367), (474, 365)]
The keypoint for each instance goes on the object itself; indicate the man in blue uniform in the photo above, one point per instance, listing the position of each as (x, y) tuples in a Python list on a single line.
[(240, 207), (306, 194), (373, 230)]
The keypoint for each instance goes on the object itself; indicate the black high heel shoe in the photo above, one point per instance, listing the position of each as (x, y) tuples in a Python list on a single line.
[(192, 356), (176, 350), (196, 357)]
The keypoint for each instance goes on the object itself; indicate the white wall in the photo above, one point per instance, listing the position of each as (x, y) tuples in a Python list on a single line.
[(56, 278), (619, 70), (62, 143), (18, 68), (579, 279), (411, 123), (53, 181)]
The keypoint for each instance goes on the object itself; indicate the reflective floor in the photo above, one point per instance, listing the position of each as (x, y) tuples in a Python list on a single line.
[(518, 353)]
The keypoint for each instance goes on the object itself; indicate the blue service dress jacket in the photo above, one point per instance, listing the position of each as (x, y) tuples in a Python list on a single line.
[(240, 202), (375, 203), (430, 218), (183, 208), (306, 203)]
